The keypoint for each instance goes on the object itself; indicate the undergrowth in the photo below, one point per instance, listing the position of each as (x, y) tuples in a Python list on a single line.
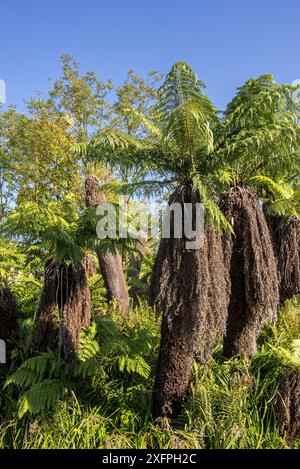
[(105, 401)]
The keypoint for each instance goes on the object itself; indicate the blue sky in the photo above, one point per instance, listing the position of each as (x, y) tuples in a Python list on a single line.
[(225, 41)]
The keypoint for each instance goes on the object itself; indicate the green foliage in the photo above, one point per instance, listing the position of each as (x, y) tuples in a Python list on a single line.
[(11, 260), (152, 139), (45, 224), (109, 352), (42, 396), (260, 131), (231, 404), (212, 211)]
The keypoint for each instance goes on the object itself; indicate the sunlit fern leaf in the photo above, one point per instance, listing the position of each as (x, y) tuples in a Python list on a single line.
[(132, 364), (34, 222), (33, 370), (89, 347), (185, 115), (277, 189), (42, 396), (296, 351), (260, 132)]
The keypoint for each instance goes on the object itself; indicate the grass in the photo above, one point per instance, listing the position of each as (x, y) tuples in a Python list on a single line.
[(231, 404)]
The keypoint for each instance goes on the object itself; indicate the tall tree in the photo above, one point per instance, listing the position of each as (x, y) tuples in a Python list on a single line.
[(41, 164), (64, 306), (110, 260), (188, 285), (7, 179)]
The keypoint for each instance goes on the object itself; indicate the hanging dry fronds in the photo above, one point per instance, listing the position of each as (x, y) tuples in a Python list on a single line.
[(250, 260), (189, 289)]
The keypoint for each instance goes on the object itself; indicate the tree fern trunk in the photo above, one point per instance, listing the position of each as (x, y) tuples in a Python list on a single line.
[(76, 312), (114, 278), (47, 316), (63, 310), (285, 232), (288, 406), (110, 262), (189, 288), (8, 321), (251, 263)]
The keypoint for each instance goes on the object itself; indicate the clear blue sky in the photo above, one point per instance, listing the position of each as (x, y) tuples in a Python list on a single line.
[(225, 41)]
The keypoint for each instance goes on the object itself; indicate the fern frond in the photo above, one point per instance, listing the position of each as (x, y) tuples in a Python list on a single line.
[(212, 211), (33, 370), (185, 115), (277, 189), (42, 396), (132, 364)]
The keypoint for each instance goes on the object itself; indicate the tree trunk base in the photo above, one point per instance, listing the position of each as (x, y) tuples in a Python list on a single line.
[(288, 406)]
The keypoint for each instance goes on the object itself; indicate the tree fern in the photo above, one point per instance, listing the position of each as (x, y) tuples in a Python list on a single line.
[(34, 222), (185, 115)]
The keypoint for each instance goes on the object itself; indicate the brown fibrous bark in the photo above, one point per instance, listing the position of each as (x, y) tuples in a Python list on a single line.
[(250, 261), (8, 321), (285, 232), (188, 287), (287, 406), (63, 310), (75, 306), (110, 262)]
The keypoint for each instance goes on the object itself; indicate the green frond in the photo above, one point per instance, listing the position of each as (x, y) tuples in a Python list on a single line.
[(132, 364), (33, 370), (34, 222), (90, 368), (212, 211), (12, 260), (277, 189), (142, 120), (185, 115), (260, 131), (42, 396), (89, 347)]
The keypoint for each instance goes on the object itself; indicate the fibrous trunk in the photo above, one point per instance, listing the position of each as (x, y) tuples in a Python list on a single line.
[(47, 315), (8, 315), (75, 307), (285, 232), (64, 308), (189, 289), (250, 260), (110, 262), (90, 265)]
